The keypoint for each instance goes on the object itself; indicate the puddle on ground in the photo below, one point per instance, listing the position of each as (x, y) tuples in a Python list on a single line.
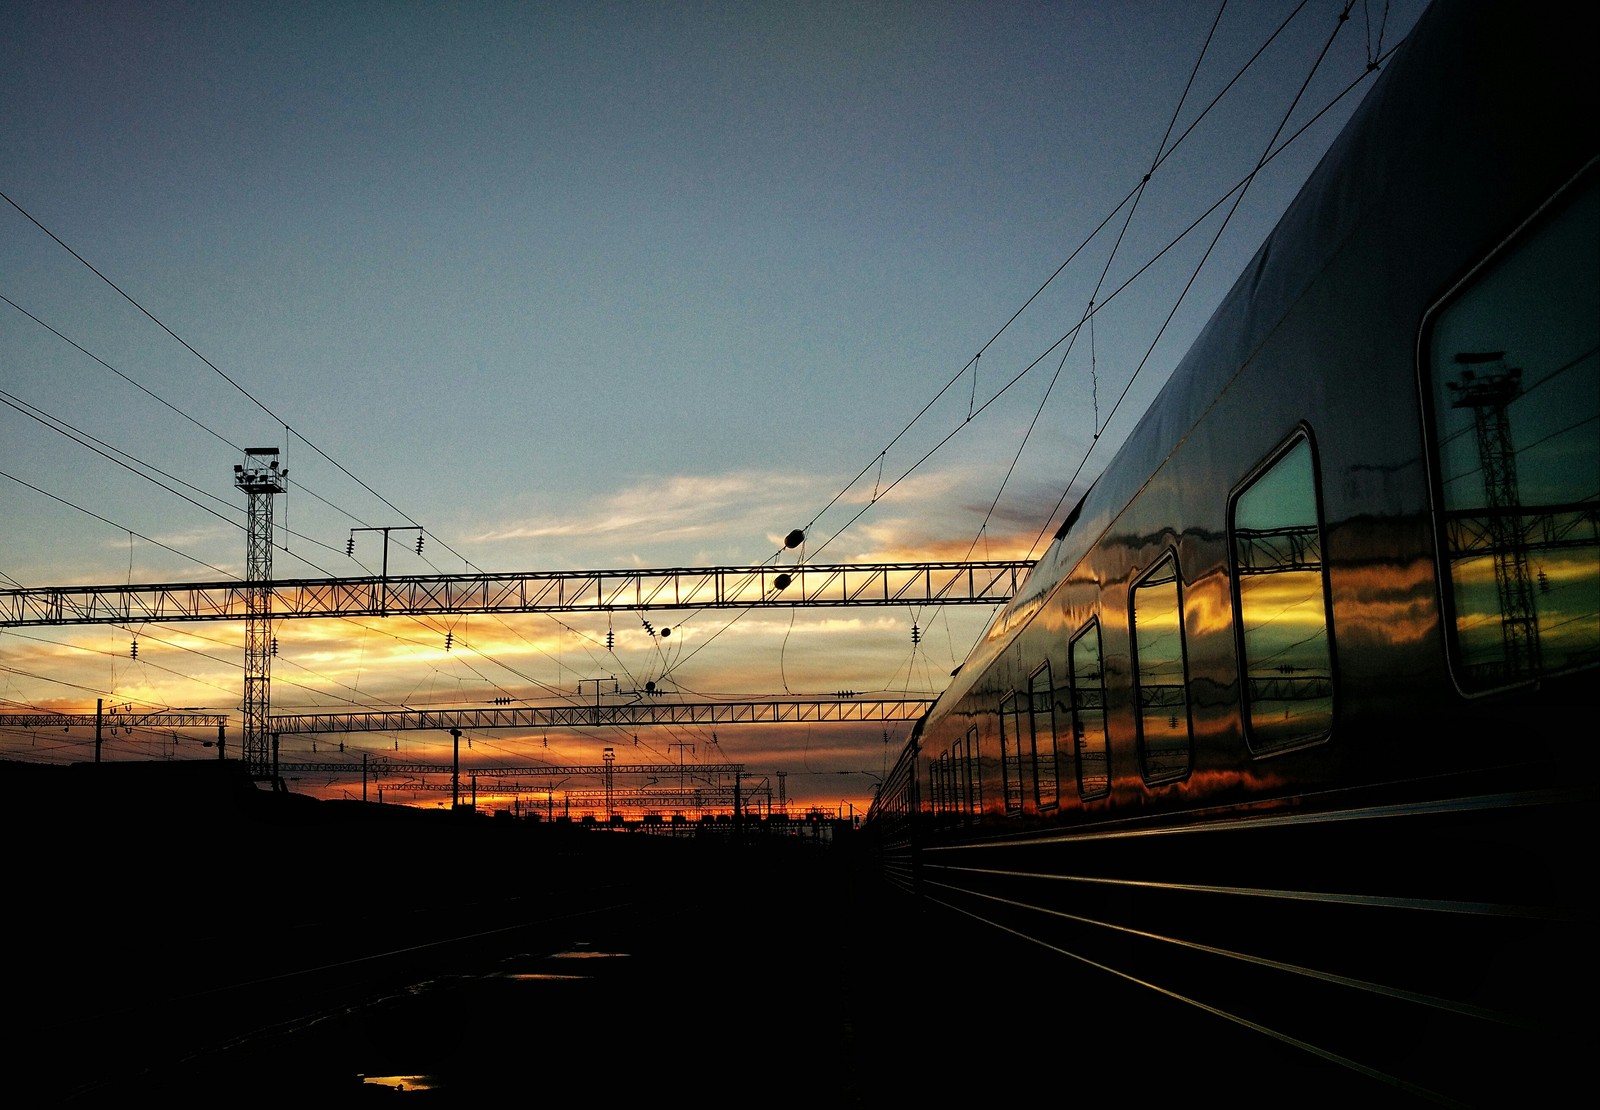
[(400, 1082), (523, 976)]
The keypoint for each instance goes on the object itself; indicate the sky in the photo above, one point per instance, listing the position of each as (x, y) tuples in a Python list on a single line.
[(602, 286)]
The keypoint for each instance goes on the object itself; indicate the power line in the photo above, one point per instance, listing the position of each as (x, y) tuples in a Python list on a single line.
[(311, 492), (216, 369), (114, 524)]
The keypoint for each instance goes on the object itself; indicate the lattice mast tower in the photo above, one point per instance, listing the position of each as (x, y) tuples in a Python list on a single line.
[(261, 479), (1488, 387)]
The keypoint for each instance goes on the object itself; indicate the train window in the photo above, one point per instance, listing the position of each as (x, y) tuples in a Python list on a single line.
[(1042, 732), (1281, 596), (1513, 368), (1012, 764), (1089, 712), (1160, 672), (973, 773), (952, 782), (946, 799)]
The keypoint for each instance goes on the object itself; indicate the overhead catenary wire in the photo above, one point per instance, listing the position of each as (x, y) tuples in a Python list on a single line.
[(1165, 152), (1111, 256), (114, 524), (1131, 195), (214, 368), (299, 487)]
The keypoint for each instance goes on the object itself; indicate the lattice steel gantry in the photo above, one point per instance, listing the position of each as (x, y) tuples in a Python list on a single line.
[(588, 591), (260, 477)]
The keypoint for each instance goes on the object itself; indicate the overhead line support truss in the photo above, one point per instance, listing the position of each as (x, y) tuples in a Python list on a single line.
[(814, 586), (536, 774), (161, 719), (795, 711)]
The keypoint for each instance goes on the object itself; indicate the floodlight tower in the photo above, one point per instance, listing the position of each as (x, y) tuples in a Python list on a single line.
[(1488, 393), (261, 478)]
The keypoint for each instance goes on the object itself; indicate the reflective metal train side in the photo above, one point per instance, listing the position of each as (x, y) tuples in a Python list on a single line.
[(1289, 723)]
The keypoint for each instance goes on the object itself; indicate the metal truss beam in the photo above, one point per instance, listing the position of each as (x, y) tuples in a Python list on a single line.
[(1273, 550), (633, 714), (645, 796), (620, 799), (113, 720), (817, 585), (533, 772), (1474, 533)]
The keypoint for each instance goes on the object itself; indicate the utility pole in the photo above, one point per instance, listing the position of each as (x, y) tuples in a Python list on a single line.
[(261, 479)]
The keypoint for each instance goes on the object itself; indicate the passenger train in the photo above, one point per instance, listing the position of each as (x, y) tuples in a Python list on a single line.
[(1287, 730)]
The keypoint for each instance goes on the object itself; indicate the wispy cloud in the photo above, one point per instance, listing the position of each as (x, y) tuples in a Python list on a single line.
[(671, 509)]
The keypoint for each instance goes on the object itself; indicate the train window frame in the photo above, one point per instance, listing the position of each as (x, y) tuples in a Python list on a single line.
[(1468, 533), (1013, 782), (946, 779), (1081, 704), (974, 773), (958, 755), (1041, 798), (1151, 768), (1259, 735)]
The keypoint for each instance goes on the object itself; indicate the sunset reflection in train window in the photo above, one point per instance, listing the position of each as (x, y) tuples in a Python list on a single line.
[(1089, 711), (1011, 761), (1281, 596), (1042, 726), (958, 797), (1161, 673), (975, 773), (941, 777), (1514, 381)]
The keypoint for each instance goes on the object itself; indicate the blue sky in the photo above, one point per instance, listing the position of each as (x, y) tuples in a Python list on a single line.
[(600, 285)]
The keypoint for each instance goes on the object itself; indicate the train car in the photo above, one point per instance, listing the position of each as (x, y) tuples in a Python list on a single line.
[(1286, 729)]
